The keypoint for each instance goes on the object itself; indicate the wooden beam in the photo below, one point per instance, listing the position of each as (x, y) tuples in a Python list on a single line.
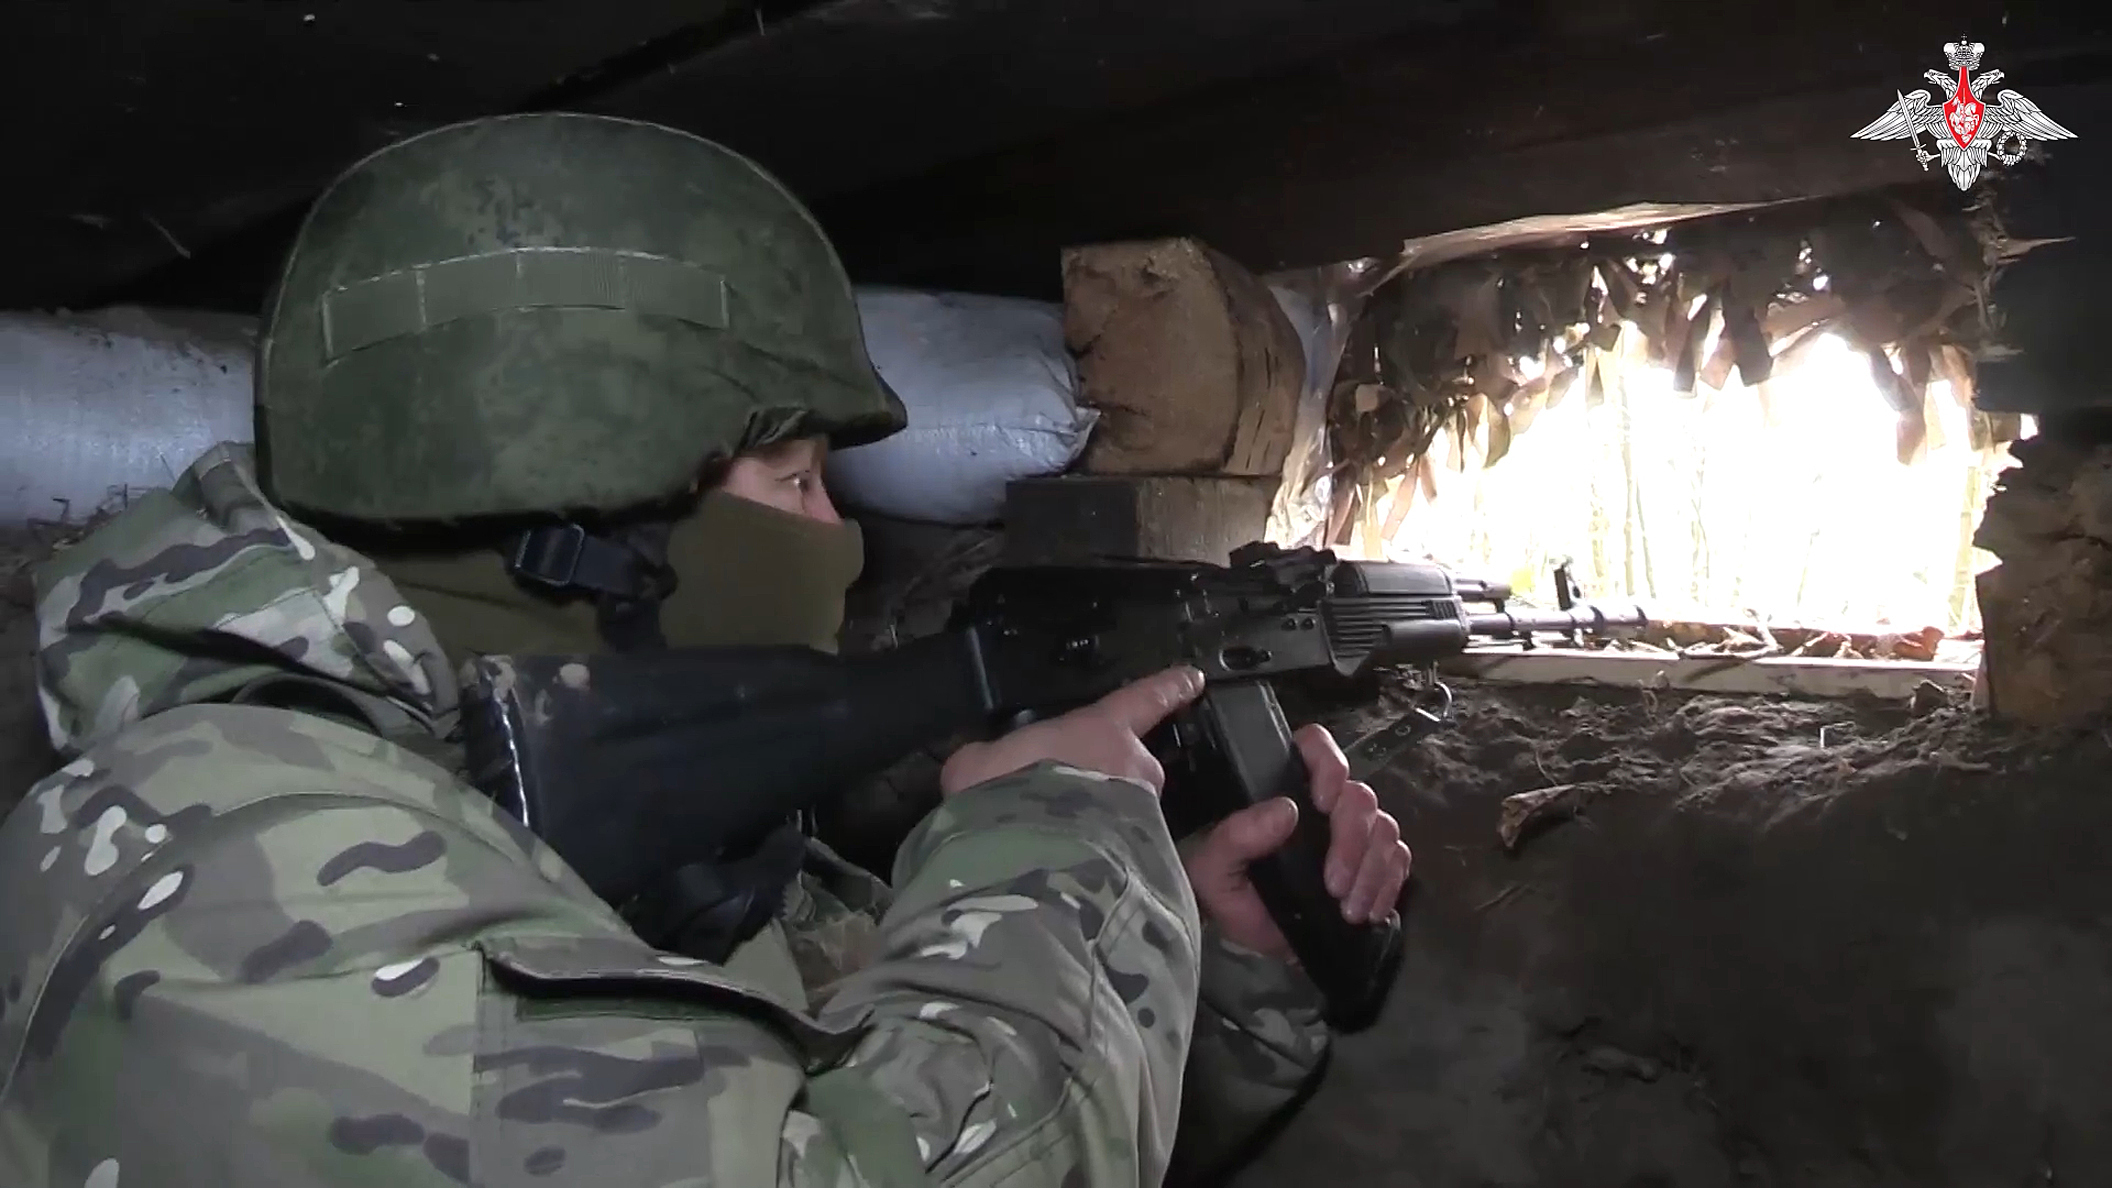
[(862, 92), (1354, 158), (159, 133), (1078, 518), (1755, 154), (1279, 130), (1774, 676)]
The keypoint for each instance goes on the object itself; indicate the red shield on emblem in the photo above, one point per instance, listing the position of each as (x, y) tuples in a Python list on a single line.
[(1962, 115)]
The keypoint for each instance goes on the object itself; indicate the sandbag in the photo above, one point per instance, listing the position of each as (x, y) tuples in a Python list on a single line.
[(1322, 304), (123, 399), (991, 396), (119, 400)]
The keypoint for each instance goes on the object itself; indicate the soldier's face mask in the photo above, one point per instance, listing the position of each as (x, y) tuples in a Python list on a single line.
[(750, 574), (742, 573)]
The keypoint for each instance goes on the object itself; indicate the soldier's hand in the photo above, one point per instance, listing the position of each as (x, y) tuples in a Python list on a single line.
[(1366, 861), (1106, 736)]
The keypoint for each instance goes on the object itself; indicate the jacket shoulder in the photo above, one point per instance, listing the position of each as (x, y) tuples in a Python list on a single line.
[(249, 922)]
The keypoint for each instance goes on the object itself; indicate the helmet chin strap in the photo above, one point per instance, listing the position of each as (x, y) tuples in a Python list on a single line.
[(626, 571)]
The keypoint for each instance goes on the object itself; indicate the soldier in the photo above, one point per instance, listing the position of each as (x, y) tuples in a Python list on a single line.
[(551, 383)]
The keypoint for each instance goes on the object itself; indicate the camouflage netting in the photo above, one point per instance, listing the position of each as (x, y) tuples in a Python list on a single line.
[(1902, 275)]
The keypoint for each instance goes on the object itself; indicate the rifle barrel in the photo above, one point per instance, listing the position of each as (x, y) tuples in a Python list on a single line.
[(1418, 640)]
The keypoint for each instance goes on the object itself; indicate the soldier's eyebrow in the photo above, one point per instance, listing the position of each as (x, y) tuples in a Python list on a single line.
[(792, 456)]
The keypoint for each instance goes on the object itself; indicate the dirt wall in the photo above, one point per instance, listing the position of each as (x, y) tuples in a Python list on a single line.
[(1752, 958)]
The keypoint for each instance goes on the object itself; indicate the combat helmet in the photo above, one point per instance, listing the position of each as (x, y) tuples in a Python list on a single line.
[(550, 313)]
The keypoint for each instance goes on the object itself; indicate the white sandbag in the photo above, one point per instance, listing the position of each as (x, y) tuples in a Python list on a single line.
[(98, 404), (125, 398), (991, 396), (1322, 304)]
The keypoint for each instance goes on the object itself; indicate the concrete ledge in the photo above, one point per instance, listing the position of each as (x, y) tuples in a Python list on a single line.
[(1713, 674)]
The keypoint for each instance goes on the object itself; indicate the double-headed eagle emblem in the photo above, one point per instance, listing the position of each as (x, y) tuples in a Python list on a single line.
[(1966, 129)]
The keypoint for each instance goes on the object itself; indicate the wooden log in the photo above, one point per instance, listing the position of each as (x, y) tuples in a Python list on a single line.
[(1192, 363), (1168, 518)]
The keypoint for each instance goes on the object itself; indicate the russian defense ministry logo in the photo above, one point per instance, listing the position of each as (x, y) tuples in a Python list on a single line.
[(1966, 129)]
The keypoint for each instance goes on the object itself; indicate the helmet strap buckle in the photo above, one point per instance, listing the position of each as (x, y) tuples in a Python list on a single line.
[(549, 555), (560, 557), (628, 582)]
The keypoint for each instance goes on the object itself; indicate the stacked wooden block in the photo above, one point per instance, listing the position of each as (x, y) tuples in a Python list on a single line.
[(1196, 373)]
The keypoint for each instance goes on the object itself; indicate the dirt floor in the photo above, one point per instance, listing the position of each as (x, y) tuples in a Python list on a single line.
[(1774, 943), (1755, 943)]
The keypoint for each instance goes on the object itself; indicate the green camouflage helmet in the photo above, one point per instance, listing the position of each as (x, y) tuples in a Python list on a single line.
[(551, 313)]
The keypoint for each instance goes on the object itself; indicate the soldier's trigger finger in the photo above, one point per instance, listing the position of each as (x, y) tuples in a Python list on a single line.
[(1141, 705)]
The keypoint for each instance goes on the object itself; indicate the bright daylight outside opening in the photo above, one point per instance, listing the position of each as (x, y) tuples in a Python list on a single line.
[(1783, 504)]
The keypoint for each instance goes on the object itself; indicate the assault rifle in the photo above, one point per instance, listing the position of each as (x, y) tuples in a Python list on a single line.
[(655, 774)]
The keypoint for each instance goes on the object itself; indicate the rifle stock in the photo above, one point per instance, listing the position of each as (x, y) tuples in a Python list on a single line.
[(634, 765), (631, 765)]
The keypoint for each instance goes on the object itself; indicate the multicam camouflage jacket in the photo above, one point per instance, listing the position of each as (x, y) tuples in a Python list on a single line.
[(249, 945)]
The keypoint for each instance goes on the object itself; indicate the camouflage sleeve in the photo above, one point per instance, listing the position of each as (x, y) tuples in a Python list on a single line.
[(1030, 1012), (255, 948), (1260, 1042)]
